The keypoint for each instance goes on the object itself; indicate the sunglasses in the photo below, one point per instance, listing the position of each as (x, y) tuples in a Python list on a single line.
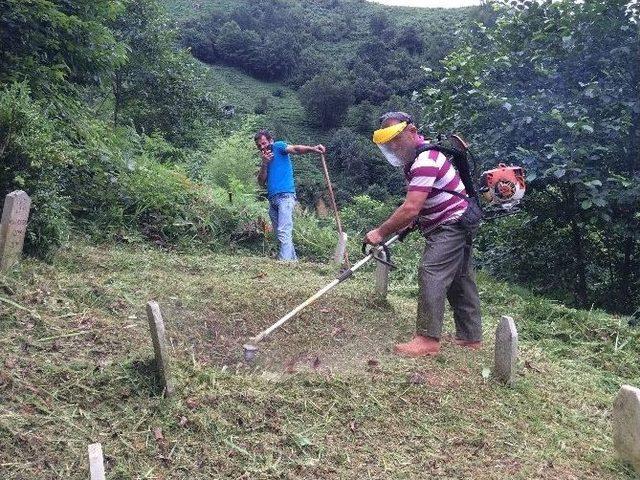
[(402, 117)]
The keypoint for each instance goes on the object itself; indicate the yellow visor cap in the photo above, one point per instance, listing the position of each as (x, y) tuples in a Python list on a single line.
[(384, 135)]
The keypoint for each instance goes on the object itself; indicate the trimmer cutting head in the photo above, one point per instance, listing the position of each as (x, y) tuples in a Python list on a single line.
[(250, 352)]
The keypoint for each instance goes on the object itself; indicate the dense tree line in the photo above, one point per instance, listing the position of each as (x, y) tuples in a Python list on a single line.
[(339, 53), (95, 96), (551, 88)]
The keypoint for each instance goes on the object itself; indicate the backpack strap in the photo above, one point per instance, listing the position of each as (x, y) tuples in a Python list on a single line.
[(457, 194), (442, 149), (449, 152)]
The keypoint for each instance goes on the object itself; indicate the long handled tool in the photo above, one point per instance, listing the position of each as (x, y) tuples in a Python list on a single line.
[(250, 349), (341, 255)]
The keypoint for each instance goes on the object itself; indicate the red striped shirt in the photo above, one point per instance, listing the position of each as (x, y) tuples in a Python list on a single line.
[(432, 172)]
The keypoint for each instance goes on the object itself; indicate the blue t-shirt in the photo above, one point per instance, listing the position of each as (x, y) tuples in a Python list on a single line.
[(280, 171)]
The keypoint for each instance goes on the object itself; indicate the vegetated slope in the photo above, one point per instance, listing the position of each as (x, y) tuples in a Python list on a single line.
[(331, 68), (281, 109), (379, 49), (326, 399)]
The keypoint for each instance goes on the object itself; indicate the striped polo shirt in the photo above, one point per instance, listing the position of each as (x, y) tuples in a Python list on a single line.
[(432, 172)]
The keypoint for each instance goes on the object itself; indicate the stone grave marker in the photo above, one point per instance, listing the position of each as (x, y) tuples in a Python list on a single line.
[(13, 226), (341, 248), (506, 352), (382, 275), (626, 425), (96, 462), (156, 326)]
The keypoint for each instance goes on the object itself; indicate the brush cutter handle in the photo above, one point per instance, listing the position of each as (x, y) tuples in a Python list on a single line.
[(385, 249), (402, 234)]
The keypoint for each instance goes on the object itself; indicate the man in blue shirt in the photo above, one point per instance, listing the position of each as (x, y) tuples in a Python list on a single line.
[(276, 173)]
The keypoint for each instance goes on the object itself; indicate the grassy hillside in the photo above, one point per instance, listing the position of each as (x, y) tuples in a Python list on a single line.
[(326, 399), (283, 114)]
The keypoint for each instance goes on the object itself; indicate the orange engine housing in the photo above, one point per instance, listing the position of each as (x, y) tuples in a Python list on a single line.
[(503, 186)]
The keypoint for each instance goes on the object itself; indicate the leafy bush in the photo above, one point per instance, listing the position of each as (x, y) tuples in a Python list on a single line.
[(358, 164), (326, 98), (261, 106), (365, 213), (313, 238), (233, 157), (33, 158)]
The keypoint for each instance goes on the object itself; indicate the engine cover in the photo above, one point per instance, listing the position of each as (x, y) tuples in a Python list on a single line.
[(503, 186)]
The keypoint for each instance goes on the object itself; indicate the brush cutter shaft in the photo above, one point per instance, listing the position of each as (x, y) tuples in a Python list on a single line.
[(304, 304), (321, 292)]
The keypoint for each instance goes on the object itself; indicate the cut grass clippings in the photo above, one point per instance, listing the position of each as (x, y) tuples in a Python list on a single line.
[(326, 398)]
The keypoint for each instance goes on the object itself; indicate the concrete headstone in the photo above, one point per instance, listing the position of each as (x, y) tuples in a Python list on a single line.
[(341, 248), (382, 275), (96, 462), (156, 326), (506, 353), (626, 425), (13, 226)]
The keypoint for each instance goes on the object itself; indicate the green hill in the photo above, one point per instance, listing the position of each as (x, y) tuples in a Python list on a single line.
[(325, 399), (282, 113)]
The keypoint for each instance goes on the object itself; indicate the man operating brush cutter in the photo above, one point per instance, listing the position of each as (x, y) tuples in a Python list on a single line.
[(437, 203)]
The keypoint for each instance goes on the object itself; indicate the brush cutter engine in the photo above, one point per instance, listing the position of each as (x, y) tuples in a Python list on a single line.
[(503, 187)]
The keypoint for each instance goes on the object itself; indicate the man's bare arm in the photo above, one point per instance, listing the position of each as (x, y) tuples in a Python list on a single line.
[(302, 149), (266, 156), (401, 218)]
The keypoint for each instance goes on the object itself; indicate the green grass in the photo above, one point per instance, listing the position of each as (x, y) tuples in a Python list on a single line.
[(326, 398), (284, 115)]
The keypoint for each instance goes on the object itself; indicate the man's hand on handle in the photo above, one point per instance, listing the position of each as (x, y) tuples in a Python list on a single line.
[(321, 149), (374, 237)]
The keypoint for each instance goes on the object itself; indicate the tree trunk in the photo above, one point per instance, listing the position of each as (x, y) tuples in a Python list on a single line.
[(625, 276), (581, 290)]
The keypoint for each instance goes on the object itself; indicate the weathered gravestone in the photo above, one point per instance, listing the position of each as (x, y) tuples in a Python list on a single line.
[(506, 353), (96, 462), (156, 325), (341, 249), (13, 226), (626, 425), (382, 275)]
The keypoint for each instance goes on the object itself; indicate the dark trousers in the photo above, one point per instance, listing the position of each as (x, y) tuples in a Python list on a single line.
[(446, 271)]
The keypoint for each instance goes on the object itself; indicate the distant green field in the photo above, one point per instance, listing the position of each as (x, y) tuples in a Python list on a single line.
[(284, 114)]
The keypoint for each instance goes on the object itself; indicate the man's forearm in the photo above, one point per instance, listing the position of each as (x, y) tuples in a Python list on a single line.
[(262, 175), (401, 218), (302, 149)]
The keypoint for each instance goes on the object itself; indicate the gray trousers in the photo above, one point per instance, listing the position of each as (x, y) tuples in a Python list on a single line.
[(447, 271)]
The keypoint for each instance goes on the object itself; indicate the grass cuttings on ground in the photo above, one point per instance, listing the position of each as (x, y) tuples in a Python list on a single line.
[(326, 399)]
